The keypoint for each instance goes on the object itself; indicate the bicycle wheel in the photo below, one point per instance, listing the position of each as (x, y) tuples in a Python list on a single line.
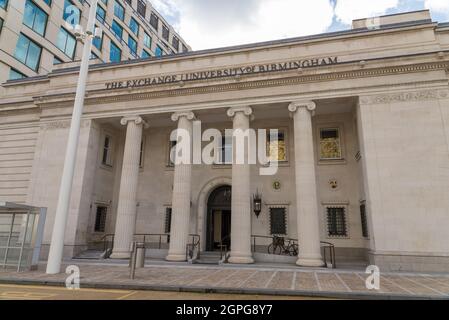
[(293, 250), (272, 249)]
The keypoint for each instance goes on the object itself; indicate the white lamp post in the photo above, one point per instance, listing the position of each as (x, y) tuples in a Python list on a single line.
[(57, 239)]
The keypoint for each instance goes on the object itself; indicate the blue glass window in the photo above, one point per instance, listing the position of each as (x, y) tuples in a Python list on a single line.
[(35, 18), (15, 75), (101, 14), (119, 11), (71, 13), (159, 52), (132, 44), (115, 53), (147, 40), (3, 4), (28, 52), (66, 43), (134, 26), (145, 54), (117, 29)]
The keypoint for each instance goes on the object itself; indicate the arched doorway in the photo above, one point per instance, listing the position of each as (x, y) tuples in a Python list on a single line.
[(219, 218)]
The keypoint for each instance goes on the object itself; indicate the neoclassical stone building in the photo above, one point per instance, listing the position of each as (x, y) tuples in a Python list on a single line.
[(362, 147)]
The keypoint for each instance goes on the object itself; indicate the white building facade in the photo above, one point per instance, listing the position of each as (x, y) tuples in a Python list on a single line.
[(362, 120)]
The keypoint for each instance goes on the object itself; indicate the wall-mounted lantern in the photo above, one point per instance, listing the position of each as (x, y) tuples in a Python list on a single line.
[(257, 203)]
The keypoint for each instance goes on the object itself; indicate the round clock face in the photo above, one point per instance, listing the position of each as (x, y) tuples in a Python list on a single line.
[(276, 185)]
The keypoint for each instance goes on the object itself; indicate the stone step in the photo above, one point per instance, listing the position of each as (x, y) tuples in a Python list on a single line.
[(91, 255)]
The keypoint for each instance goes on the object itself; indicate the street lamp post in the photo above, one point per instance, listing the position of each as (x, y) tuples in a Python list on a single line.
[(57, 238)]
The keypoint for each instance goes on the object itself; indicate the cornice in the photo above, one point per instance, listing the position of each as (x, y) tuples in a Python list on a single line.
[(405, 96), (124, 95)]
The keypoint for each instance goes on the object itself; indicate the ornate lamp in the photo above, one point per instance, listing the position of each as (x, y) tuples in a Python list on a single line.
[(257, 203)]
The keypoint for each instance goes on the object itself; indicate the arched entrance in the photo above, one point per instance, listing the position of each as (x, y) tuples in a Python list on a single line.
[(218, 227)]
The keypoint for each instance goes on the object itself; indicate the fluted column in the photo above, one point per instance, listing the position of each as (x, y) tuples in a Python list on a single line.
[(306, 193), (126, 211), (241, 196), (181, 201)]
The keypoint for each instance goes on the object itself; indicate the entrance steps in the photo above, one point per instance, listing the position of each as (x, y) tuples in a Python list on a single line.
[(92, 254), (211, 258)]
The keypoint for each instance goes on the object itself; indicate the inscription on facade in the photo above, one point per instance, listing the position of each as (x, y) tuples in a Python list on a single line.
[(222, 73)]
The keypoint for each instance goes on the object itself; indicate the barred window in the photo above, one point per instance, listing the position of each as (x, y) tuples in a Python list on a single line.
[(141, 8), (165, 32), (168, 212), (363, 218), (100, 219), (154, 21), (336, 222), (278, 221)]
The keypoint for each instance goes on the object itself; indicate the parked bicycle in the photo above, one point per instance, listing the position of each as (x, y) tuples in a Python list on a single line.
[(280, 246)]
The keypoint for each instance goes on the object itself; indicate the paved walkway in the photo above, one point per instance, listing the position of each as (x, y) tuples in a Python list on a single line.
[(244, 280)]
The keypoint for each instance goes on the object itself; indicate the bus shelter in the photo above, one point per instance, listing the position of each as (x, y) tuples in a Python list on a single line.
[(21, 234)]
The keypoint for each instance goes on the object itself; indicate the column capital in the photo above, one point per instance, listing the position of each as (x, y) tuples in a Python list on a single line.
[(187, 114), (294, 106), (247, 111), (137, 119)]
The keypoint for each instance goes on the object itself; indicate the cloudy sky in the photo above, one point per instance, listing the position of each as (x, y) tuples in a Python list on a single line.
[(208, 24)]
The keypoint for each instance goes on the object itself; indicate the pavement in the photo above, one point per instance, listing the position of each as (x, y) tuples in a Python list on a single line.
[(263, 280)]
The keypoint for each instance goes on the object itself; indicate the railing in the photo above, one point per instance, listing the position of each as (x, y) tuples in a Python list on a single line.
[(193, 247), (293, 247), (224, 250)]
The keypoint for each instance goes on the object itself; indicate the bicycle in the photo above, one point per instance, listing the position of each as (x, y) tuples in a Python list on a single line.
[(279, 247)]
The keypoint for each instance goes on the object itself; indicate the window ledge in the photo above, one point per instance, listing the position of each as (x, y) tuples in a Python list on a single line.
[(332, 162)]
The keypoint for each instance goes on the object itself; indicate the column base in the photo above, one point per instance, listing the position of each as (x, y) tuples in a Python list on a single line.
[(310, 262), (120, 255), (176, 258), (241, 260)]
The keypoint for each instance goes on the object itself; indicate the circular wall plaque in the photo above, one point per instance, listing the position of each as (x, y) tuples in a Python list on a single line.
[(277, 185)]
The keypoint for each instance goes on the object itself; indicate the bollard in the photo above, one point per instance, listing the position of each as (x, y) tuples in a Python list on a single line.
[(140, 255)]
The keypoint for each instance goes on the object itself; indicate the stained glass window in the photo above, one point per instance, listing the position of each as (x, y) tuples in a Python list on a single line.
[(276, 146), (330, 146)]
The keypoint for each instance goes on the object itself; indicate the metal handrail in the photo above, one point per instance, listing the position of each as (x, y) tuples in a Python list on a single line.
[(327, 246), (190, 247), (224, 249)]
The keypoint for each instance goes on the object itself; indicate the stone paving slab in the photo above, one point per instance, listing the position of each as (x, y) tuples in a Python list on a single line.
[(240, 280)]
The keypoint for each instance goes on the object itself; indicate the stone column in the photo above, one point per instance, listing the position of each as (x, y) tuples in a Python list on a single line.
[(241, 195), (181, 201), (306, 193), (126, 211)]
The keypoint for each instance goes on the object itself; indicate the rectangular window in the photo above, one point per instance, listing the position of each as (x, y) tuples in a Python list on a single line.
[(56, 60), (276, 146), (330, 146), (16, 75), (147, 40), (3, 4), (141, 8), (154, 21), (98, 42), (101, 14), (184, 48), (100, 219), (66, 43), (115, 54), (336, 222), (278, 221), (71, 13), (132, 44), (175, 43), (364, 220), (145, 54), (158, 52), (119, 11), (35, 18), (171, 153), (117, 29), (168, 214), (28, 52), (134, 26), (107, 151), (165, 32), (226, 150)]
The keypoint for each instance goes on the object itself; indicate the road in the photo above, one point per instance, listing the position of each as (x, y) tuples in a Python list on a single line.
[(28, 292)]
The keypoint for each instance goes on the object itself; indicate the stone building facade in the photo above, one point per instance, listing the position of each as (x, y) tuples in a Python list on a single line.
[(363, 147)]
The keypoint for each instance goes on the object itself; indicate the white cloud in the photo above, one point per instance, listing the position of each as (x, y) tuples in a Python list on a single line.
[(348, 10), (438, 6), (217, 23)]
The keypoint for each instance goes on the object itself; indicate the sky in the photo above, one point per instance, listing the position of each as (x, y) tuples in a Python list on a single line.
[(206, 24)]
